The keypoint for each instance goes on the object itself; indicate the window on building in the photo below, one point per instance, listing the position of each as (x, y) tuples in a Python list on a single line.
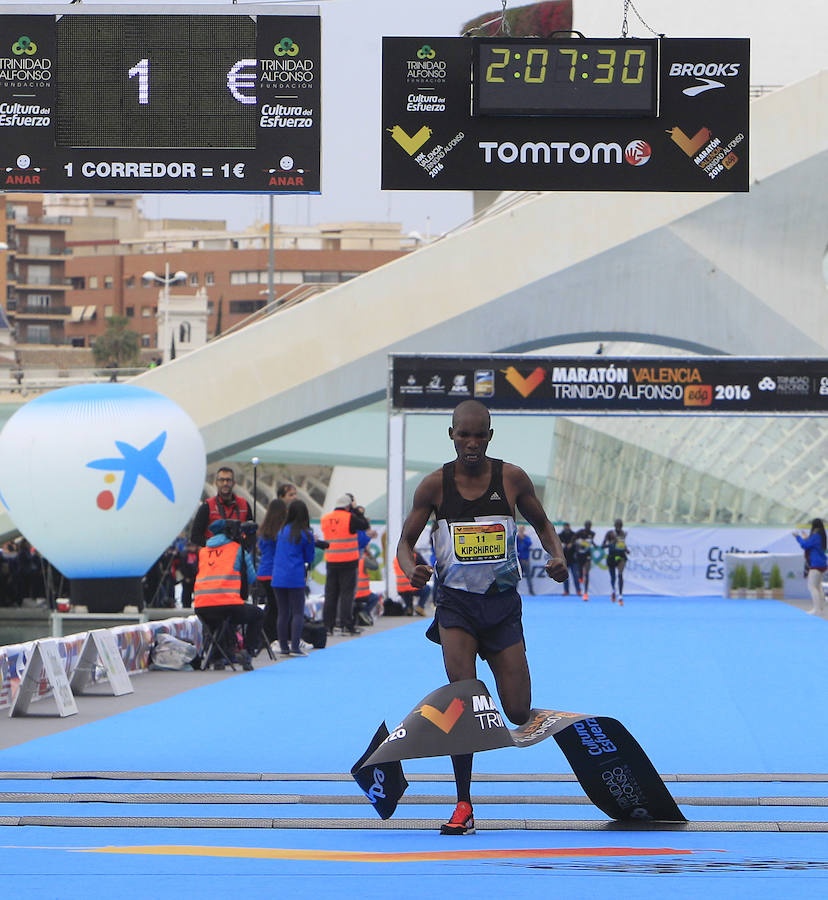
[(184, 332), (38, 274), (78, 342), (93, 282), (246, 306), (347, 276), (288, 277), (38, 334), (211, 307), (194, 278), (145, 340), (129, 312), (108, 281), (40, 245), (146, 312), (108, 311), (209, 278), (320, 277), (129, 281), (78, 283), (39, 300)]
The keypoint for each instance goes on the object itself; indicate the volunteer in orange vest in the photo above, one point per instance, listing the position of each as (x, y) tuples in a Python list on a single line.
[(225, 505), (408, 593), (339, 528), (366, 600), (225, 570)]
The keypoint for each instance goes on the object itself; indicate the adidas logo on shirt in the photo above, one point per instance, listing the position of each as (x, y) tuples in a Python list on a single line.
[(495, 496)]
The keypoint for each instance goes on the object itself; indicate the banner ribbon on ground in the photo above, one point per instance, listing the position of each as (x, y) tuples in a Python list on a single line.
[(608, 762)]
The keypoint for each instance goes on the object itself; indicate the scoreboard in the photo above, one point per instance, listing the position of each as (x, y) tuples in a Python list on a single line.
[(565, 114), (160, 98)]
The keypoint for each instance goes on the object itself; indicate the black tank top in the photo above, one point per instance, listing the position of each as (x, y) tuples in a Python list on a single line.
[(492, 502), (474, 541)]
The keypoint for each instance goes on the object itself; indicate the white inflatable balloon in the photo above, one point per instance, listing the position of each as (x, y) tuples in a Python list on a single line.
[(101, 478)]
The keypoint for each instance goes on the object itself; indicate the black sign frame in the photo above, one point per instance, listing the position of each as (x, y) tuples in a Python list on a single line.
[(598, 385), (699, 142), (277, 74)]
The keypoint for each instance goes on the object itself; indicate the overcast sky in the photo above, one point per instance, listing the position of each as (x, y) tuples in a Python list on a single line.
[(788, 43)]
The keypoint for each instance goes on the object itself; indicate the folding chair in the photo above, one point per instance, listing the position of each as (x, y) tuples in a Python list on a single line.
[(218, 633)]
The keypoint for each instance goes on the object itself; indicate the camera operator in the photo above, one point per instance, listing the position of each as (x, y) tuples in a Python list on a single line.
[(225, 573)]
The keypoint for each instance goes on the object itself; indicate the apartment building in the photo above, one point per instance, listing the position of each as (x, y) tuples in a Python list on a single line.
[(36, 286)]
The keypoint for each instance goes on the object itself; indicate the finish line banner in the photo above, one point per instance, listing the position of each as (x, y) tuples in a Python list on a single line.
[(597, 384), (608, 762)]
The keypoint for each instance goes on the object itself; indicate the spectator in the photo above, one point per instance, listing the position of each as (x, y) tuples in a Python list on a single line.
[(286, 492), (406, 590), (269, 530), (225, 505), (225, 570), (339, 529), (292, 558), (567, 538), (186, 567), (524, 550), (814, 546)]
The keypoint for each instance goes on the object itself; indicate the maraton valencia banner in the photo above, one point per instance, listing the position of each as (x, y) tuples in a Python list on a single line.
[(592, 384), (608, 762)]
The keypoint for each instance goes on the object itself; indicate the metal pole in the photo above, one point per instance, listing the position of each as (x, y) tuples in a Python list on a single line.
[(271, 288), (395, 496)]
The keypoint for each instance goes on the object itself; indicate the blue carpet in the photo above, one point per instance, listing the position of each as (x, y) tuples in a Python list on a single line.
[(705, 685)]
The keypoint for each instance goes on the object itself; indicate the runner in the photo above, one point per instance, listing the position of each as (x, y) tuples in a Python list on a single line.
[(615, 540), (477, 606), (584, 542)]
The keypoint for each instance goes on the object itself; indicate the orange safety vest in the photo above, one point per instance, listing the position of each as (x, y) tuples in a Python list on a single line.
[(239, 510), (403, 584), (217, 582), (363, 581), (336, 529)]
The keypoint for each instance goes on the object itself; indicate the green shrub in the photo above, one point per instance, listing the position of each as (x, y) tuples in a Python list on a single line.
[(775, 579), (739, 578), (756, 580)]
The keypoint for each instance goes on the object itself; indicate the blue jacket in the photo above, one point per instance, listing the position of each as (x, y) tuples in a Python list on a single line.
[(524, 546), (290, 559), (267, 547), (813, 546)]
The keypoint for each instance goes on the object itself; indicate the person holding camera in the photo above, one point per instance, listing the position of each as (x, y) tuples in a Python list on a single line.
[(226, 505), (225, 574), (340, 529)]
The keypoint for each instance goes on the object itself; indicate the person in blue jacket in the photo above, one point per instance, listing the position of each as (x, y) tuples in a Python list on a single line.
[(272, 524), (814, 546), (291, 559)]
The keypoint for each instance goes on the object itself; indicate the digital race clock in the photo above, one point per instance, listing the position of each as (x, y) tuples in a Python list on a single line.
[(572, 77)]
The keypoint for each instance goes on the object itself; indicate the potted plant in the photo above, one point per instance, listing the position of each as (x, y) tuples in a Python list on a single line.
[(738, 581), (756, 582), (775, 583)]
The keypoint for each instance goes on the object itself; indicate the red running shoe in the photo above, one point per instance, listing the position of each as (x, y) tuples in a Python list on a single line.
[(462, 820)]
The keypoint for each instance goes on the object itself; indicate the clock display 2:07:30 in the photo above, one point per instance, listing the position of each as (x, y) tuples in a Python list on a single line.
[(600, 65)]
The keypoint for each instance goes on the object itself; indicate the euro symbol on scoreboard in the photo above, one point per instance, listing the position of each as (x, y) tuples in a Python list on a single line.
[(238, 81)]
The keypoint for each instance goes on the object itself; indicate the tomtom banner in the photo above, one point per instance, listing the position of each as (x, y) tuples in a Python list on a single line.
[(641, 386), (608, 762), (699, 141)]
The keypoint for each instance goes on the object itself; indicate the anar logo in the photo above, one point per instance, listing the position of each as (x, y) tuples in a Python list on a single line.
[(410, 143)]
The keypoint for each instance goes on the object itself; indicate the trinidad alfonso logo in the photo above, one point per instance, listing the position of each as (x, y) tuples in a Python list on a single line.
[(286, 47), (135, 464), (24, 45)]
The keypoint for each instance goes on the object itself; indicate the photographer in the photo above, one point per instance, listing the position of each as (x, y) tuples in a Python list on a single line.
[(225, 573)]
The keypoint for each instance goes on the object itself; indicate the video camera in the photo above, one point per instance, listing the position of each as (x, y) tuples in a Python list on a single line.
[(243, 533)]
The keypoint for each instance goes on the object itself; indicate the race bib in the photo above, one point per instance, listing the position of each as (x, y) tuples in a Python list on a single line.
[(620, 544), (478, 542)]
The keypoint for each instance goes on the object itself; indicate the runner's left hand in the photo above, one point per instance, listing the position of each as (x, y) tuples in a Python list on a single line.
[(556, 569)]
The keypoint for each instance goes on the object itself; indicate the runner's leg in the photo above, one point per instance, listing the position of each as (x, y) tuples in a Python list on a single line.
[(459, 652)]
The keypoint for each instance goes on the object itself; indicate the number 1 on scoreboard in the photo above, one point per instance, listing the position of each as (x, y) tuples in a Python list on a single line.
[(141, 69)]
